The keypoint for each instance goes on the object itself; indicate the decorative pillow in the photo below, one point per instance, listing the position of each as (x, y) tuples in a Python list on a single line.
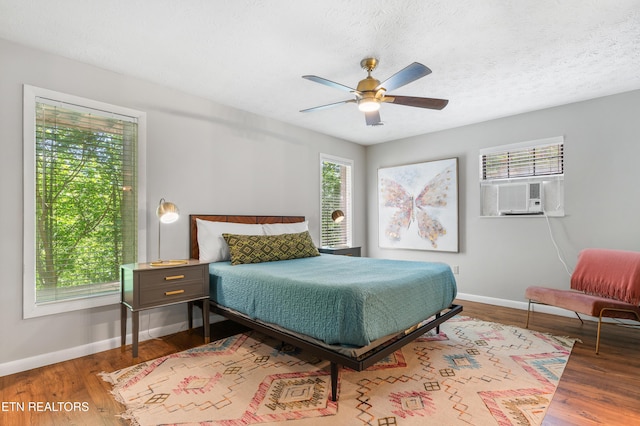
[(268, 248), (212, 246), (285, 228)]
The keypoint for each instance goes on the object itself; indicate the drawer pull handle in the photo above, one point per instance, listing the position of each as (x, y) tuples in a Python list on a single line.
[(171, 293), (174, 277)]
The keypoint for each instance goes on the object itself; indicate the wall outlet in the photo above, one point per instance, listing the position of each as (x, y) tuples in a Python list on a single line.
[(456, 269)]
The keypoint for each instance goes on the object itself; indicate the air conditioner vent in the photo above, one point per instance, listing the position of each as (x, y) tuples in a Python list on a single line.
[(534, 191)]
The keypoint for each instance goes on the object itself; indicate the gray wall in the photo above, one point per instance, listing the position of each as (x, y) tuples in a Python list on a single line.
[(204, 157), (245, 164), (500, 257)]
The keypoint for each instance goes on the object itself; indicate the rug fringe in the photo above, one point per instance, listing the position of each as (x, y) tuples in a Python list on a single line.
[(127, 415), (107, 377), (110, 379)]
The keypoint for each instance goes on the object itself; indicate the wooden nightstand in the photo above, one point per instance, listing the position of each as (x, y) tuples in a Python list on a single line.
[(342, 251), (144, 287)]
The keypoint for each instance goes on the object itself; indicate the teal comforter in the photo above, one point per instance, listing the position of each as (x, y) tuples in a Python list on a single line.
[(337, 299)]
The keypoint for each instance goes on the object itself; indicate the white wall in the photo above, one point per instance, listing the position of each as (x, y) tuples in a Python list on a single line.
[(500, 257), (204, 157)]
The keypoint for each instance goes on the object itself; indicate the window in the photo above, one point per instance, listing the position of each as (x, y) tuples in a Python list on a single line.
[(523, 179), (82, 200), (544, 158), (335, 195)]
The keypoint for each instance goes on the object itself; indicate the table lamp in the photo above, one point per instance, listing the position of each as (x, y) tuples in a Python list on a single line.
[(167, 212)]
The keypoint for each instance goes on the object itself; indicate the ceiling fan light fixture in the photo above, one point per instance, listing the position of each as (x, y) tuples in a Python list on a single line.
[(368, 105), (370, 92)]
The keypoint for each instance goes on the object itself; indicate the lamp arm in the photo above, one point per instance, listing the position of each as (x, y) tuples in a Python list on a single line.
[(159, 228)]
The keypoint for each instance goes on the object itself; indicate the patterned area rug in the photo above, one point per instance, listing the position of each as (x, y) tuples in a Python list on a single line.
[(473, 372)]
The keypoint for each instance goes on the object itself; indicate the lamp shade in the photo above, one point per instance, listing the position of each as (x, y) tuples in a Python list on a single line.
[(167, 212), (337, 216)]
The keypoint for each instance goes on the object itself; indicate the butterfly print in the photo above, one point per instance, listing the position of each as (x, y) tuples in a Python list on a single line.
[(414, 209)]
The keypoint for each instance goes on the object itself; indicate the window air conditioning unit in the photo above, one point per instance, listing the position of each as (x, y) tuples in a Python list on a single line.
[(520, 198)]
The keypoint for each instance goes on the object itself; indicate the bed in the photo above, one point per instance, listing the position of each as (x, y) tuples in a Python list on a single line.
[(338, 308)]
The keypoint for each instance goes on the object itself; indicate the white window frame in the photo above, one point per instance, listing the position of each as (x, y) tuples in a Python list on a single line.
[(32, 309), (349, 213)]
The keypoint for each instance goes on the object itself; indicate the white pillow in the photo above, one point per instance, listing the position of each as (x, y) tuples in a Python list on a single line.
[(211, 245), (285, 228)]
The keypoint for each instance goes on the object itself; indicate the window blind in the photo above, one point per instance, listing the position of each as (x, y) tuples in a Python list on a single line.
[(336, 195), (516, 161), (85, 198)]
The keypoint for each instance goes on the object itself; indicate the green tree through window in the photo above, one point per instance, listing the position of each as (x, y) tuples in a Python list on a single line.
[(85, 200)]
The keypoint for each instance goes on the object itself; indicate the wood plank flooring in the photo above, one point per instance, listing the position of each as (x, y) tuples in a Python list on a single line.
[(595, 389)]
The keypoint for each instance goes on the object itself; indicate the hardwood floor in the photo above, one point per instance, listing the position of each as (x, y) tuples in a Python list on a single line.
[(594, 389)]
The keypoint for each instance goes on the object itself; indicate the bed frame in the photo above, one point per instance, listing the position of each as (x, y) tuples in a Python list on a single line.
[(335, 358)]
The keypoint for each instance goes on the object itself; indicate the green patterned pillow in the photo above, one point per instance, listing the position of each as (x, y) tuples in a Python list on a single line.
[(267, 248)]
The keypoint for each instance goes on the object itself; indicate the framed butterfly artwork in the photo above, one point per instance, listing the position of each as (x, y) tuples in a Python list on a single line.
[(418, 206)]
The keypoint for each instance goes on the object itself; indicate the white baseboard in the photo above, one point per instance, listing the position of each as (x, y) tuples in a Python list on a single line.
[(49, 358), (547, 309), (492, 301), (536, 307), (514, 304)]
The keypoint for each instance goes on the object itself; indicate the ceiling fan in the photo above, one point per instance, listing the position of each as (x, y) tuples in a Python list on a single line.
[(370, 93)]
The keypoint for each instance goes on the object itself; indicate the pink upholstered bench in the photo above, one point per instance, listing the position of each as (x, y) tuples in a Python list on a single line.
[(605, 283)]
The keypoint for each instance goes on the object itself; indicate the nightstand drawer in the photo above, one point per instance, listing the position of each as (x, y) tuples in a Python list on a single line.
[(159, 293), (171, 275)]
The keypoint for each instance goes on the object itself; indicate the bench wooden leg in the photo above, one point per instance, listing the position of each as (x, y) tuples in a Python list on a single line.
[(602, 311), (528, 313), (598, 335)]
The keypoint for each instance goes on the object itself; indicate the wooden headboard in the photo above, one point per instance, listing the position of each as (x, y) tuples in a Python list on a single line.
[(194, 252)]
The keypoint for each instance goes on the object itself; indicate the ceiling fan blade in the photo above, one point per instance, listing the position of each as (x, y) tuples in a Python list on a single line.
[(405, 76), (430, 103), (318, 108), (373, 118), (329, 83)]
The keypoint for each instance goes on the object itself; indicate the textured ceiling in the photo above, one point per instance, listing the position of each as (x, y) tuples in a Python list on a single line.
[(490, 58)]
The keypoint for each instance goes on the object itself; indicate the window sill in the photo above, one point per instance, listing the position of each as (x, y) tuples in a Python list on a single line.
[(525, 216), (52, 308)]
